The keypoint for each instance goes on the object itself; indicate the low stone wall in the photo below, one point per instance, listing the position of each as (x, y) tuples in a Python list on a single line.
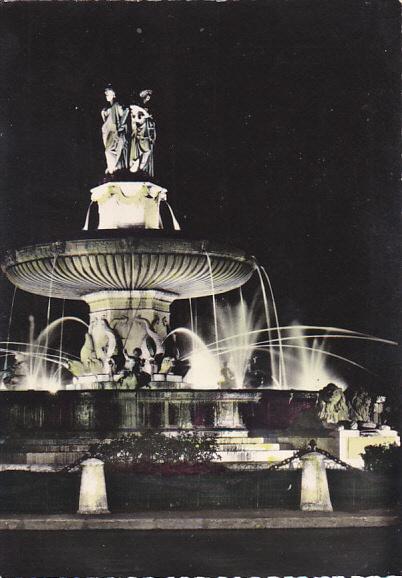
[(119, 410), (56, 429), (280, 409)]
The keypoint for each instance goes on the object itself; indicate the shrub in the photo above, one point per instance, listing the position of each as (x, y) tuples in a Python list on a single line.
[(156, 448), (382, 459)]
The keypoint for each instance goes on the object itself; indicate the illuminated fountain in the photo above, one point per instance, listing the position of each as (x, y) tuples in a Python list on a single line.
[(129, 271), (236, 327), (36, 365)]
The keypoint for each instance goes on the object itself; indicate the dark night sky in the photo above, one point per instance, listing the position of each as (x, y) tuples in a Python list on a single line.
[(278, 131)]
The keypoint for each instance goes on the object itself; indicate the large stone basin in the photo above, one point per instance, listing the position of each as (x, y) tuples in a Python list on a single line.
[(176, 266), (128, 276)]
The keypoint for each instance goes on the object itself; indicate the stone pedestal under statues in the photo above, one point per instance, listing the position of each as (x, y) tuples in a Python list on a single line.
[(133, 205)]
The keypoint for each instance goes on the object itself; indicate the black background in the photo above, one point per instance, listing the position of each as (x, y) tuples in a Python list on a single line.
[(278, 131)]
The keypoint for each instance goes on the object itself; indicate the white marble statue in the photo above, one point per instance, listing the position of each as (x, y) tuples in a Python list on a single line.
[(115, 133), (143, 136)]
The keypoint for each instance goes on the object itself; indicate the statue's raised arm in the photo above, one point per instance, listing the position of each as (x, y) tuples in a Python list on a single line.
[(115, 133)]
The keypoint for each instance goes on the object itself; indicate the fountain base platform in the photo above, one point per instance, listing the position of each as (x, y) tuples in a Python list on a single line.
[(40, 428), (255, 428)]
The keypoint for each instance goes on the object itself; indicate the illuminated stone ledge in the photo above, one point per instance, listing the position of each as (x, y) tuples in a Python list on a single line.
[(127, 278), (352, 443), (118, 411), (175, 266)]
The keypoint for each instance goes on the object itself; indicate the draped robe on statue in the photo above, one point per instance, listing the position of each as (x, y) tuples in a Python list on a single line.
[(114, 134), (143, 136)]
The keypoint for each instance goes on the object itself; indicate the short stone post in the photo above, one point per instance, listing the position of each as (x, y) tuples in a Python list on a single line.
[(314, 485), (93, 498)]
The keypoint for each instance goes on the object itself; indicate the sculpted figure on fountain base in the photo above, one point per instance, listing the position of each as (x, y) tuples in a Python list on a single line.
[(16, 373), (134, 318), (332, 406), (227, 378), (360, 406), (89, 364)]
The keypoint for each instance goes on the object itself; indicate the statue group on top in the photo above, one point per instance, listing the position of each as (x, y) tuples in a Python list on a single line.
[(128, 133)]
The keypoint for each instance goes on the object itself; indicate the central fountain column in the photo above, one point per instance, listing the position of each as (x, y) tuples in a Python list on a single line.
[(128, 314)]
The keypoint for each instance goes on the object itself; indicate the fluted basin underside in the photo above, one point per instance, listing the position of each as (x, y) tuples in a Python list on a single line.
[(71, 269)]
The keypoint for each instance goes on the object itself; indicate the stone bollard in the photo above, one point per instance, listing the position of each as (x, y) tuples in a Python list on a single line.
[(93, 498), (314, 485)]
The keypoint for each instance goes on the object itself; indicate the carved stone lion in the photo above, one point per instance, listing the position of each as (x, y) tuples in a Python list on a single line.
[(360, 406), (332, 406)]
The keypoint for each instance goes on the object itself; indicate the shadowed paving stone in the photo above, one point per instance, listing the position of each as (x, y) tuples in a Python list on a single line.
[(210, 553)]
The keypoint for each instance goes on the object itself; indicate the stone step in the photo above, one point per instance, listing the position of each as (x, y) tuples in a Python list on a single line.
[(255, 456), (42, 458), (240, 439), (258, 455), (248, 447), (241, 434), (52, 448), (23, 467)]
